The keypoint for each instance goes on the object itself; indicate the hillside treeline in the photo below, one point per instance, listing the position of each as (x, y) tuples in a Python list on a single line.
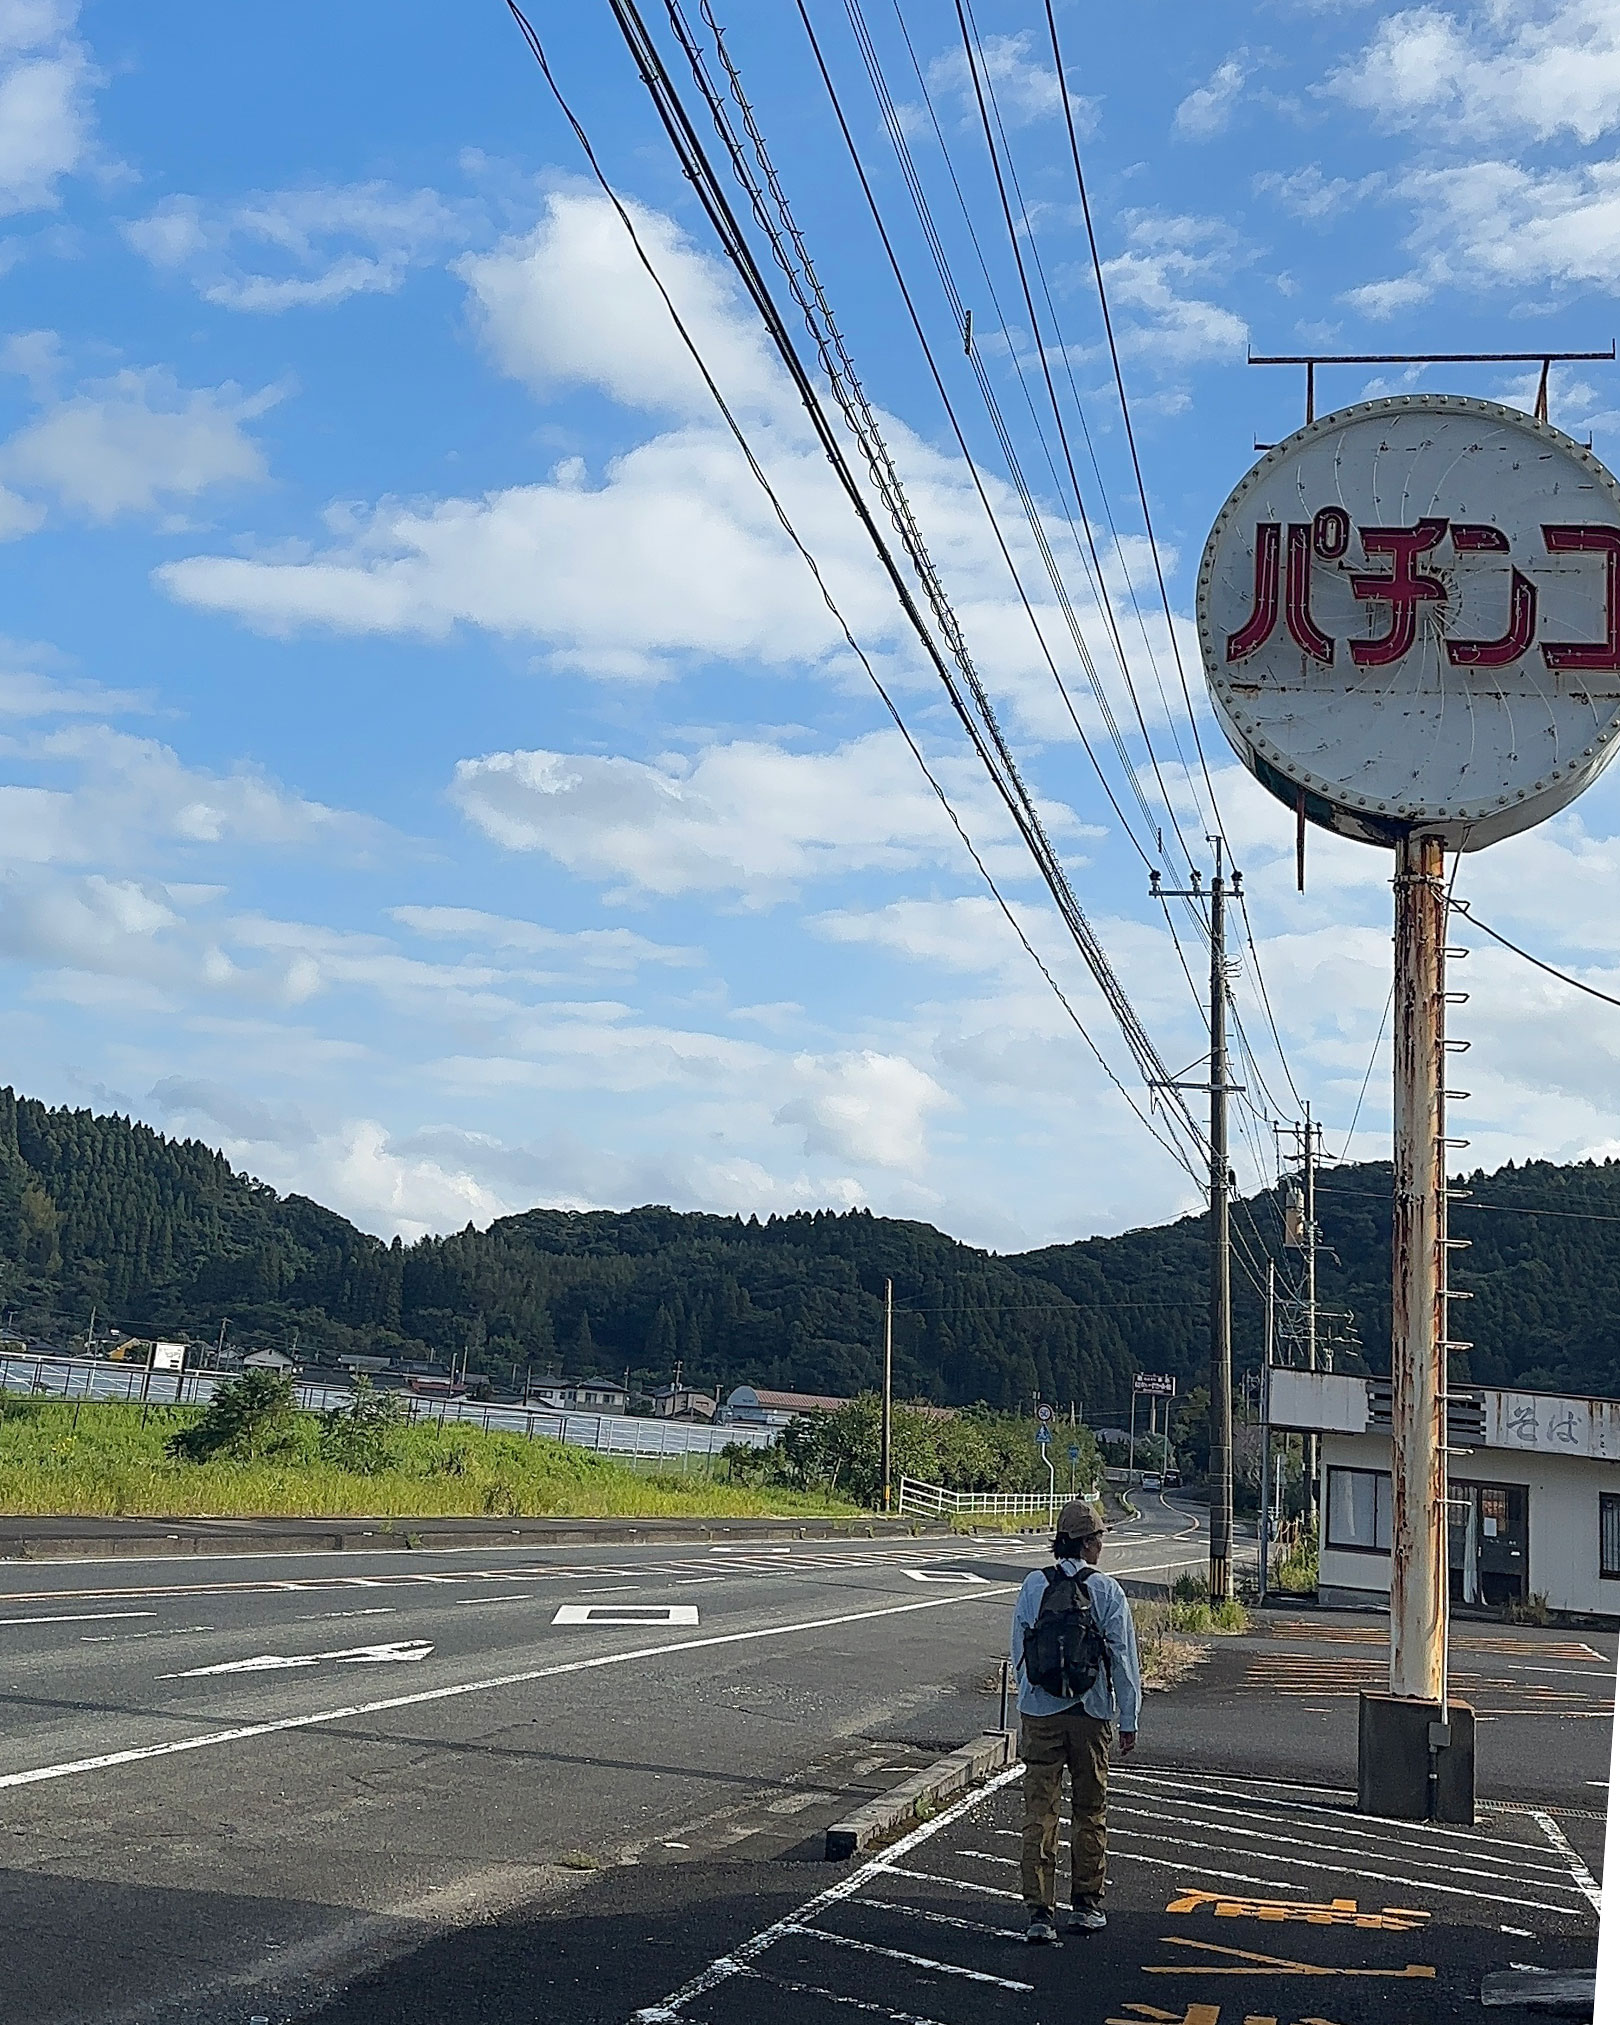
[(162, 1235)]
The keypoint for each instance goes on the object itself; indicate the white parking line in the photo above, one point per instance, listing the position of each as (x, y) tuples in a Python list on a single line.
[(1587, 1883), (241, 1732), (928, 1962), (738, 1962)]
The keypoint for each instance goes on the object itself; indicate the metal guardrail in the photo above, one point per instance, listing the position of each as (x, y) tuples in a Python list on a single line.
[(606, 1433), (933, 1501)]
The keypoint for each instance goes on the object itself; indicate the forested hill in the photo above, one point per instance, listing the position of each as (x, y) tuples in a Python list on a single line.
[(162, 1235)]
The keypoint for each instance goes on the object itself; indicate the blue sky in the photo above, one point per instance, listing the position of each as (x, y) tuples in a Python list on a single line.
[(425, 770)]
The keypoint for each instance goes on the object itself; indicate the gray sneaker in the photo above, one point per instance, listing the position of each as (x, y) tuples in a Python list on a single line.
[(1042, 1927), (1086, 1919)]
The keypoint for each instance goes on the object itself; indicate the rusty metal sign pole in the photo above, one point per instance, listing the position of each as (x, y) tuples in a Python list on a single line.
[(1418, 1570)]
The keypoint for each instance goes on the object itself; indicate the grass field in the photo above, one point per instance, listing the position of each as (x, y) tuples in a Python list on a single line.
[(101, 1459)]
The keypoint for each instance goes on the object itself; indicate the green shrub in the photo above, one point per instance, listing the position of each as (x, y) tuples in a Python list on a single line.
[(363, 1437), (247, 1419)]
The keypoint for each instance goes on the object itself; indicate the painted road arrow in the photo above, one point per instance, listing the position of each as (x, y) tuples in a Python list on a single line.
[(353, 1655)]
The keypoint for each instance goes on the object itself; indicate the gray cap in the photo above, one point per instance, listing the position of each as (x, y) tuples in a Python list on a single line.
[(1078, 1520)]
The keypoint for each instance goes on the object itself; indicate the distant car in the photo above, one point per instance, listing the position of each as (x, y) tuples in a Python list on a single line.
[(1153, 1483), (1172, 1480)]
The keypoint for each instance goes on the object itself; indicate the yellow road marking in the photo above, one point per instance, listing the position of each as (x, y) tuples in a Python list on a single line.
[(1338, 1912), (1195, 2014), (1269, 1965)]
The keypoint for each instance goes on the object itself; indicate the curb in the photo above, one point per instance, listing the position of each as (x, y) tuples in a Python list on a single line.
[(1570, 1996), (954, 1773), (112, 1541)]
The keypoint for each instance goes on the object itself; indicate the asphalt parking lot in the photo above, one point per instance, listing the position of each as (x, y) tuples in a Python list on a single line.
[(1233, 1902)]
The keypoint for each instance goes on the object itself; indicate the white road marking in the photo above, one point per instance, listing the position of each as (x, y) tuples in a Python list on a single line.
[(941, 1575), (273, 1662), (928, 1962), (834, 1997), (1189, 1864), (242, 1731), (626, 1613), (1386, 1848), (956, 1883), (939, 1919), (1587, 1883), (737, 1963), (81, 1617)]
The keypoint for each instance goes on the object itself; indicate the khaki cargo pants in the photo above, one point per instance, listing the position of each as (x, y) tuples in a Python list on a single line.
[(1048, 1744)]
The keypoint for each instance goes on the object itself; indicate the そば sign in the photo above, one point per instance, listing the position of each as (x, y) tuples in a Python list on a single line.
[(1410, 617)]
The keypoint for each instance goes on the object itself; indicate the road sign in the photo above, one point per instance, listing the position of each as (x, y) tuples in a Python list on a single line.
[(1074, 1451), (1044, 1413), (1043, 1435), (1158, 1384), (1410, 618)]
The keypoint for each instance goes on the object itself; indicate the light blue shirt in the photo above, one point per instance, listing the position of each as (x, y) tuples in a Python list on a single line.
[(1117, 1699)]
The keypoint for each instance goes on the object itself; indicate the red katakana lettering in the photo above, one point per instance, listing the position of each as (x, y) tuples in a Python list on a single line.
[(1600, 656), (1403, 590)]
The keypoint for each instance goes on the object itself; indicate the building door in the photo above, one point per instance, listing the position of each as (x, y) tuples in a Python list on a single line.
[(1490, 1542)]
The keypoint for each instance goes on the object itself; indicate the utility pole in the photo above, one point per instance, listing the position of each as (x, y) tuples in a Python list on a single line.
[(888, 1390), (1265, 1427), (1220, 1087)]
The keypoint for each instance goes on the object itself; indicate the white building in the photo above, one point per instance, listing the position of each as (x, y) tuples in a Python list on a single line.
[(1534, 1489), (578, 1395)]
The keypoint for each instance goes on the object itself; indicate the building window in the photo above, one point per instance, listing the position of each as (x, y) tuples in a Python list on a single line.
[(1359, 1510), (1609, 1536)]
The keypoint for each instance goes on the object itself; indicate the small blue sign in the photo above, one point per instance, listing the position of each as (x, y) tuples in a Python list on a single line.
[(1043, 1435), (1074, 1452)]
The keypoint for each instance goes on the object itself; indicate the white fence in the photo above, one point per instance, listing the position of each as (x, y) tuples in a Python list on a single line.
[(933, 1501), (607, 1433)]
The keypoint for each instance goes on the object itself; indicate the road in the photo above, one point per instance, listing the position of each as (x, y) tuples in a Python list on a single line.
[(230, 1787)]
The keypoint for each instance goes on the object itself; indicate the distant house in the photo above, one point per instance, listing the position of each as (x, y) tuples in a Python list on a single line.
[(266, 1360), (757, 1406), (682, 1402), (578, 1395)]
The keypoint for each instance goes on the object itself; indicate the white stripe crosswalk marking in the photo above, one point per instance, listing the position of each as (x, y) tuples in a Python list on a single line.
[(1587, 1883)]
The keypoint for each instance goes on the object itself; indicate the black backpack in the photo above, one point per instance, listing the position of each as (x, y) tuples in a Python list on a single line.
[(1064, 1651)]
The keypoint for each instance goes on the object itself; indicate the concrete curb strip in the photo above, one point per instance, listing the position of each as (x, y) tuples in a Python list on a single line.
[(953, 1773), (112, 1539), (1563, 1995)]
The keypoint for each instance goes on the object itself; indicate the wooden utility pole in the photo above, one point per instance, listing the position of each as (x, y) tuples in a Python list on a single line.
[(888, 1390)]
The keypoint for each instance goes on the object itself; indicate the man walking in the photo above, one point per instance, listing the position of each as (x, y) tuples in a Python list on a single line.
[(1074, 1654)]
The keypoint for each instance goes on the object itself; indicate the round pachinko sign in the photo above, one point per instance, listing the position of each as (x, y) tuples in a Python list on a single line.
[(1410, 620)]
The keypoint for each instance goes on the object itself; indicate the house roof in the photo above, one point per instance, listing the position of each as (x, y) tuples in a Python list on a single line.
[(785, 1402)]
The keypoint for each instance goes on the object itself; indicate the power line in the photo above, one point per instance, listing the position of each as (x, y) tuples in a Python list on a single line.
[(983, 730), (1563, 976), (761, 477), (1124, 405), (1372, 1060)]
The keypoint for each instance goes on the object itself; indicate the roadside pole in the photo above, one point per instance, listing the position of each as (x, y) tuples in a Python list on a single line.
[(1265, 1428), (885, 1444), (1220, 1258)]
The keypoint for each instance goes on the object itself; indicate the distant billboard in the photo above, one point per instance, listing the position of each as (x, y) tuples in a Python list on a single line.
[(1159, 1384), (168, 1356)]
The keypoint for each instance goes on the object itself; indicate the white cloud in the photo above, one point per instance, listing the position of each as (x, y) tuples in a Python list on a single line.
[(1021, 77), (1529, 69), (572, 305), (297, 249), (1206, 112), (865, 1107), (1498, 224), (597, 948), (962, 934), (746, 817), (1307, 193), (1167, 259), (138, 442), (46, 79)]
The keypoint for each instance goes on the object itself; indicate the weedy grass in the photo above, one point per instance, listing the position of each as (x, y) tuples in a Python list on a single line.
[(108, 1459)]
